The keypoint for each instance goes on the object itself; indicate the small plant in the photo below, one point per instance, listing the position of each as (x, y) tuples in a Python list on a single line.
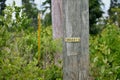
[(105, 54), (19, 49)]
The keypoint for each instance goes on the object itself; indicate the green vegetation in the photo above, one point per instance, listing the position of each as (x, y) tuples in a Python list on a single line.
[(114, 12), (105, 54), (47, 21), (2, 6), (31, 10), (95, 12), (19, 49)]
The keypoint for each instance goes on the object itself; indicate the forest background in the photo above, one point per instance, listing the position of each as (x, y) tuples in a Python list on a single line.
[(19, 54)]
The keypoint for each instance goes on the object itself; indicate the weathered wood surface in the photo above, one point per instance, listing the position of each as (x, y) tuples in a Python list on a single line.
[(76, 55), (57, 19)]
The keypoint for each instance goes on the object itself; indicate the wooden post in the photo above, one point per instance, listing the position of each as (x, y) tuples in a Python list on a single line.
[(76, 39), (57, 19)]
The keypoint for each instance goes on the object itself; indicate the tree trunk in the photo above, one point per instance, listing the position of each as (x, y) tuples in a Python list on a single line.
[(57, 18), (75, 51)]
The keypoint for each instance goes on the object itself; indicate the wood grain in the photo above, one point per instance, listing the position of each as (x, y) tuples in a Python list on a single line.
[(76, 55)]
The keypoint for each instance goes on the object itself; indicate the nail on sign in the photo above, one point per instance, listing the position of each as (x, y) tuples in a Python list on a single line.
[(72, 39)]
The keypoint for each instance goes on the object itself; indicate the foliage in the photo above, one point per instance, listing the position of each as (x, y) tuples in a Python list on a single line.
[(31, 10), (46, 7), (95, 12), (18, 49), (19, 57), (48, 47), (114, 12), (2, 6), (17, 22), (47, 21), (105, 54)]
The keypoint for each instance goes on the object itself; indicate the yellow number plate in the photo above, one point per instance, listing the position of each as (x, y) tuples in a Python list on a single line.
[(72, 39)]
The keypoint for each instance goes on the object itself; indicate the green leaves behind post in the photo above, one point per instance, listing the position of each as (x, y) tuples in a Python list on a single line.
[(18, 49), (105, 54)]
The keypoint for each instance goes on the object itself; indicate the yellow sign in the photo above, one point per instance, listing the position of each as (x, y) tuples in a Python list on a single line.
[(72, 39)]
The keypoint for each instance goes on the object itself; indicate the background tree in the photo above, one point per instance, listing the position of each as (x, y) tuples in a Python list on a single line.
[(114, 12), (54, 17), (2, 6), (95, 13), (31, 10), (57, 19), (47, 21)]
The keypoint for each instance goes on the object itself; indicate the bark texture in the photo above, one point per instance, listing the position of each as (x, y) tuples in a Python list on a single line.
[(57, 19), (75, 54)]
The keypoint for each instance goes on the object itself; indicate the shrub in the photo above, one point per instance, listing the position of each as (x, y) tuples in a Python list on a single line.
[(19, 49), (105, 54)]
